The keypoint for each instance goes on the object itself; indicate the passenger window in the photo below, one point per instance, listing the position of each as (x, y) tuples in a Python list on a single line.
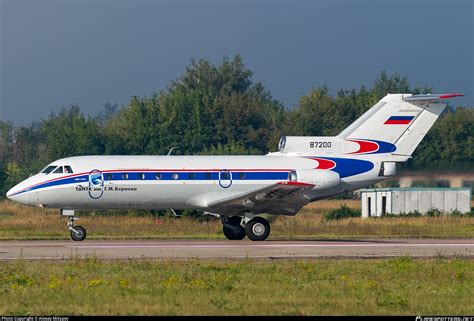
[(68, 169), (208, 175), (192, 176), (58, 170), (124, 176), (159, 176), (108, 176), (225, 176), (142, 175), (175, 176), (242, 175)]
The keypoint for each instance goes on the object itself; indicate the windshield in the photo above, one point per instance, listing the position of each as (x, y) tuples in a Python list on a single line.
[(59, 170), (48, 169)]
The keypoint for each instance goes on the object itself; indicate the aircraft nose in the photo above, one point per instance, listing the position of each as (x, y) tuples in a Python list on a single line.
[(10, 193), (14, 195)]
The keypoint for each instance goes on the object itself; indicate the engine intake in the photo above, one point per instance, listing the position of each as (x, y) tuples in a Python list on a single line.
[(321, 179)]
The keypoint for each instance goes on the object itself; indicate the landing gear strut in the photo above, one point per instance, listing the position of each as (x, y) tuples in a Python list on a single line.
[(78, 233), (236, 227)]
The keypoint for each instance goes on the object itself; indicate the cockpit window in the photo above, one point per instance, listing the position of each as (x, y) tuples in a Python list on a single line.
[(48, 169), (58, 170), (68, 169)]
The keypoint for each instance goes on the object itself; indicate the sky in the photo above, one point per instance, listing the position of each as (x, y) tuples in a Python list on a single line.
[(57, 53)]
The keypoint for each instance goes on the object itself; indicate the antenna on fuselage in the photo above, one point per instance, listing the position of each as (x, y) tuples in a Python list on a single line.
[(171, 150), (174, 213)]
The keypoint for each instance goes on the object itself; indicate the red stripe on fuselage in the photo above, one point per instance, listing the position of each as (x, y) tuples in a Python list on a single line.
[(324, 163), (156, 170), (54, 179), (295, 183), (201, 170), (365, 146)]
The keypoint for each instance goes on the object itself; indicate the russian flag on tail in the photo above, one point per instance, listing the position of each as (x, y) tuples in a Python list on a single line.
[(399, 120)]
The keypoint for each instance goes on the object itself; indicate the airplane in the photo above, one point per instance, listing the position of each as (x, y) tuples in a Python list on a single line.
[(239, 188)]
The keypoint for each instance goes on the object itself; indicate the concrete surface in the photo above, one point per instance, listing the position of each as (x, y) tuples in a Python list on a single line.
[(222, 249)]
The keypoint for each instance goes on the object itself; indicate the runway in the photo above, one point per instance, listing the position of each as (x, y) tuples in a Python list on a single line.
[(199, 249)]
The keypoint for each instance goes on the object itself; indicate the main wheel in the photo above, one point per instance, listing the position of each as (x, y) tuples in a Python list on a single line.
[(80, 233), (257, 229), (236, 232)]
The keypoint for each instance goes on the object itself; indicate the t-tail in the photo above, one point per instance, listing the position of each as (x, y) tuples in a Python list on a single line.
[(400, 121), (389, 131)]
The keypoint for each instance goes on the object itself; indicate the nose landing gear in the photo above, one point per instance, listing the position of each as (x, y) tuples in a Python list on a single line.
[(78, 233)]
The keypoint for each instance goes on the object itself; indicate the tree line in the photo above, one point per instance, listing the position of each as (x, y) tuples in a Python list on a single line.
[(218, 109)]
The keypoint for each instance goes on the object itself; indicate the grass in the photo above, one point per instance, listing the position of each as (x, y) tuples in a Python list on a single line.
[(19, 222), (401, 286)]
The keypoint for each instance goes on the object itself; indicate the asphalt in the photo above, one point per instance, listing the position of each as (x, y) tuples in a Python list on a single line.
[(222, 249)]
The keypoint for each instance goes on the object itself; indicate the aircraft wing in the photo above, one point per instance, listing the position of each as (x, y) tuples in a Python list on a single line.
[(285, 198)]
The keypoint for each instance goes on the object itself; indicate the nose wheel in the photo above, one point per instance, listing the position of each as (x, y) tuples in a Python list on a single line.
[(77, 232)]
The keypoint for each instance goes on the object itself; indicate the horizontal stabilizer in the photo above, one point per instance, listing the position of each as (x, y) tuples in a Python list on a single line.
[(429, 97)]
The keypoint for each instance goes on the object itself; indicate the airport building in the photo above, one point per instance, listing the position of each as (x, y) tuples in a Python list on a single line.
[(381, 201)]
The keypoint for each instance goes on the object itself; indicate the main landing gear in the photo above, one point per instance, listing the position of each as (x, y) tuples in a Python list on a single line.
[(236, 228), (78, 233)]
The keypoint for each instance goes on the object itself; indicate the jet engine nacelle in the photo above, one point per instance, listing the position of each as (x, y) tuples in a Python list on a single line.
[(321, 179)]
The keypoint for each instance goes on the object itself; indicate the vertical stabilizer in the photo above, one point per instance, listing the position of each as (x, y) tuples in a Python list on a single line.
[(399, 119)]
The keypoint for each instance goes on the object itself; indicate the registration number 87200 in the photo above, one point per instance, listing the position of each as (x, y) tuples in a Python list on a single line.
[(320, 145)]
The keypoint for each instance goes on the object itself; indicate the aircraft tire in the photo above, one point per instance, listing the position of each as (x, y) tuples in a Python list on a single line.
[(257, 229), (231, 233), (81, 233)]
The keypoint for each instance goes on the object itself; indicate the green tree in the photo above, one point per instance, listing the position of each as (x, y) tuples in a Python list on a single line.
[(450, 143), (208, 106), (70, 133), (385, 84)]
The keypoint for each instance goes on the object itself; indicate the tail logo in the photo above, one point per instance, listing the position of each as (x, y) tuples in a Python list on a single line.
[(96, 184)]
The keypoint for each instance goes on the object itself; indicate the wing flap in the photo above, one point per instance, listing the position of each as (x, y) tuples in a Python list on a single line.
[(285, 198)]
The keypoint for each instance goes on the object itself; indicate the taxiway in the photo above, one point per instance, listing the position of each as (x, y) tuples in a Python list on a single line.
[(212, 249)]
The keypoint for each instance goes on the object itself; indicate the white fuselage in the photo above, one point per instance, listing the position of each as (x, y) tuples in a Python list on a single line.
[(178, 182)]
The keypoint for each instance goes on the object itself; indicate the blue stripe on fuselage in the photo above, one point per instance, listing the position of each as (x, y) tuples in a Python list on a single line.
[(192, 176), (384, 147), (350, 167), (344, 166), (164, 176), (69, 180)]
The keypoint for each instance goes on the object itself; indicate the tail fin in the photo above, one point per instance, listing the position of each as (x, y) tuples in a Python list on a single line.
[(399, 119)]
